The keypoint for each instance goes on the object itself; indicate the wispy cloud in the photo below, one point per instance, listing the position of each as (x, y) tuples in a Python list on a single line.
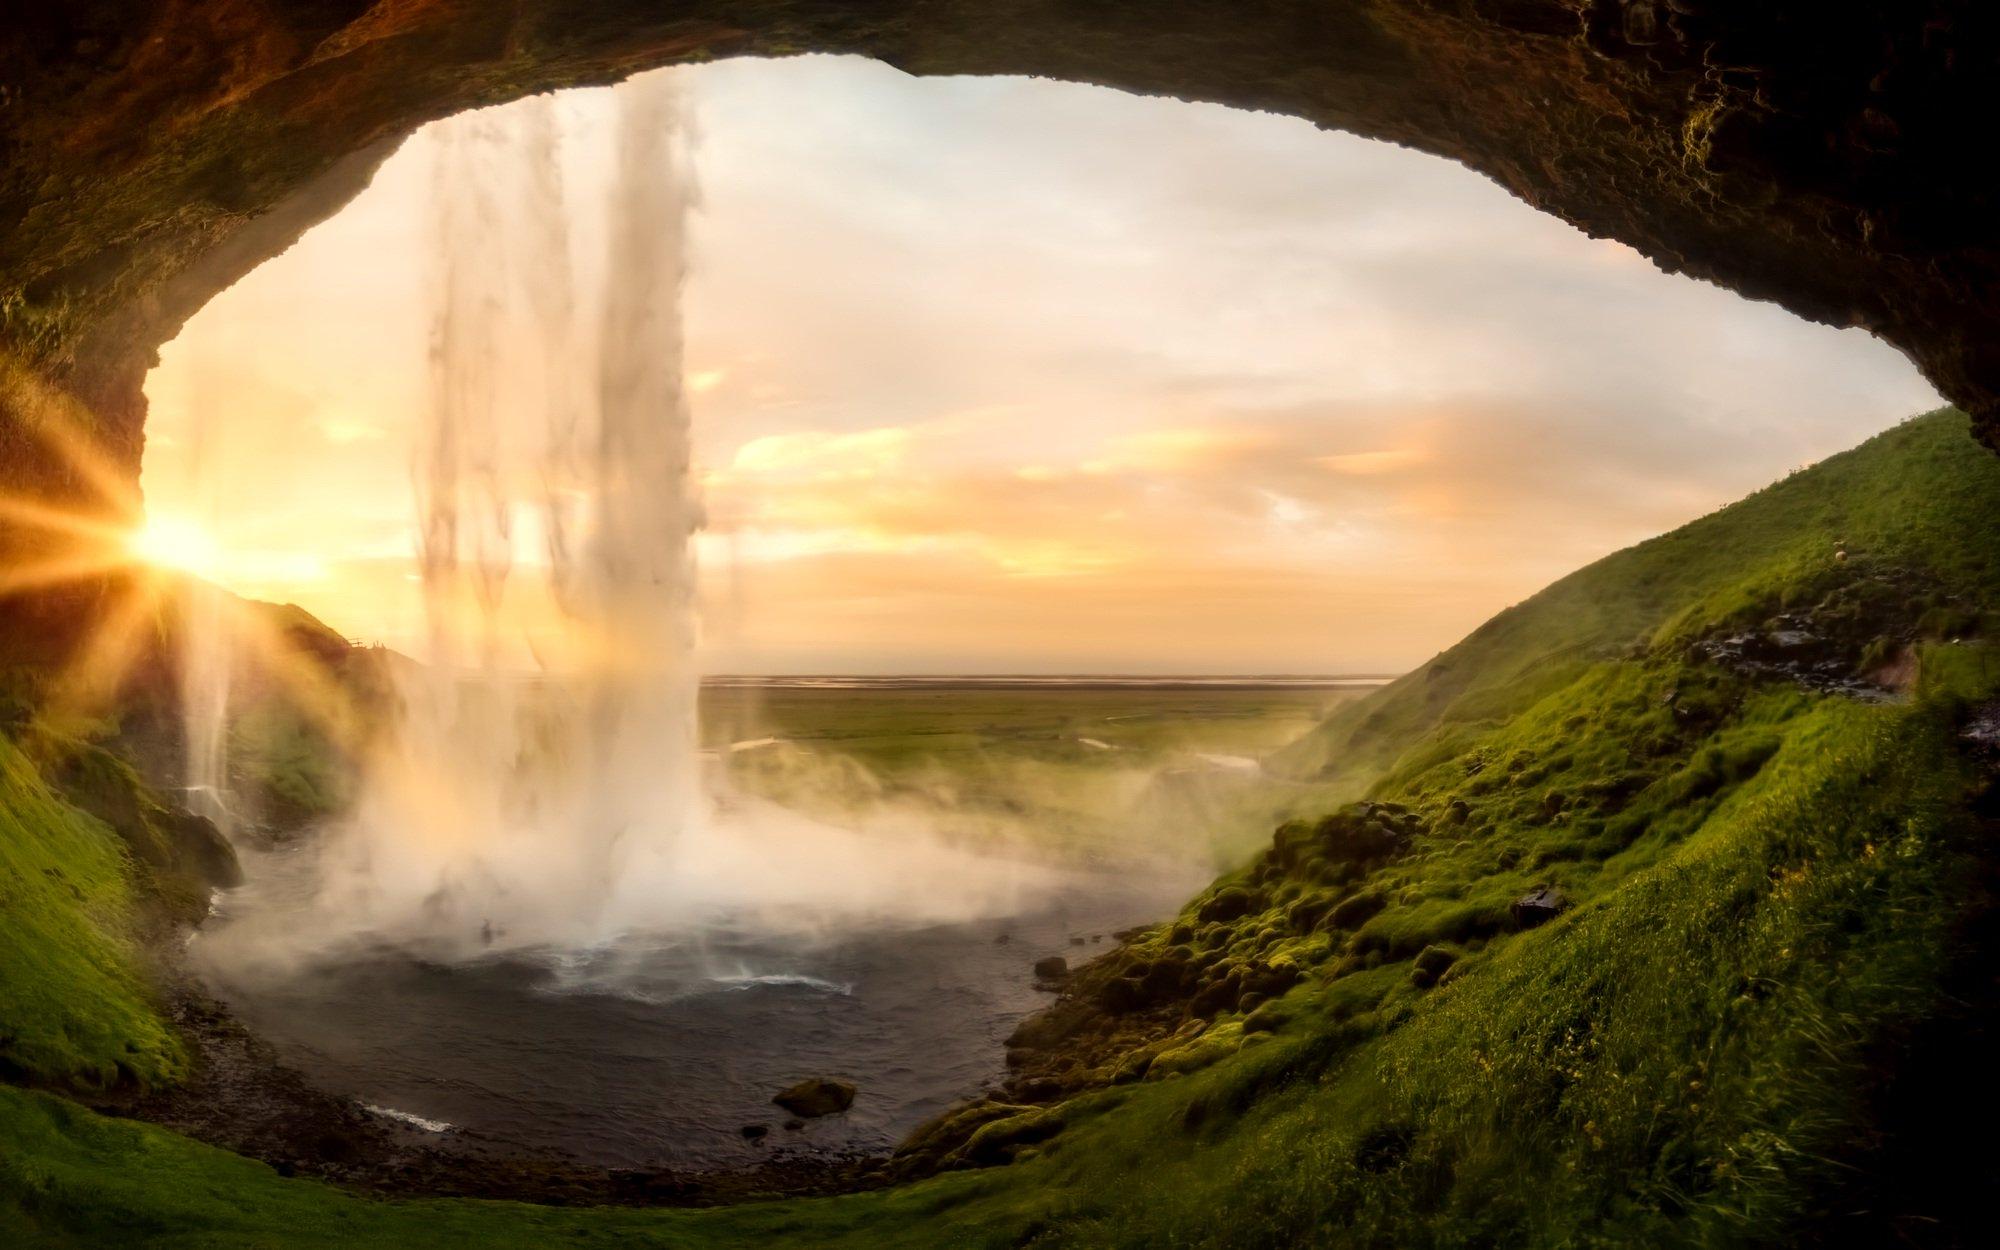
[(1001, 373)]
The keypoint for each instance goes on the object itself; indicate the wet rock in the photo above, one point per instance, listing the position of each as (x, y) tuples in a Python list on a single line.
[(1053, 968), (755, 1132), (816, 1096), (1538, 906), (793, 1126)]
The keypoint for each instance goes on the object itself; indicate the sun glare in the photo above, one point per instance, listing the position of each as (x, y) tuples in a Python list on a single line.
[(172, 542)]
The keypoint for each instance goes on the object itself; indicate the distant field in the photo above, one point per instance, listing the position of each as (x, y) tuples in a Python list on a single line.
[(1092, 770)]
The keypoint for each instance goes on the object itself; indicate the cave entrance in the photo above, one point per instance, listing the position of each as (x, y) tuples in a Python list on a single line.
[(995, 382)]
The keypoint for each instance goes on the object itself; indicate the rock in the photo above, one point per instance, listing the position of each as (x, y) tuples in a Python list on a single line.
[(1038, 1089), (1076, 941), (1003, 939), (793, 1126), (1356, 909), (816, 1096), (1538, 906), (755, 1132), (1228, 903), (1430, 964), (1217, 996), (1001, 1140), (1054, 968), (1122, 994), (1361, 834)]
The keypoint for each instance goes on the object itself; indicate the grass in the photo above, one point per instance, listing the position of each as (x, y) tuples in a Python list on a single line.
[(1095, 774), (1768, 888), (75, 1007), (1914, 499)]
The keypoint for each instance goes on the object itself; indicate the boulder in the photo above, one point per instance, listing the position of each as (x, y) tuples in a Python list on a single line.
[(1538, 906), (1228, 903), (754, 1132), (816, 1096), (1054, 968)]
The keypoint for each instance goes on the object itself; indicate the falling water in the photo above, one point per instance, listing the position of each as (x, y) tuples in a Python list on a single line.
[(552, 795), (207, 659), (514, 806), (207, 649)]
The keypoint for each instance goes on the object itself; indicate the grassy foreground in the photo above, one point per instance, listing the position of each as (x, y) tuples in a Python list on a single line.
[(1728, 1037)]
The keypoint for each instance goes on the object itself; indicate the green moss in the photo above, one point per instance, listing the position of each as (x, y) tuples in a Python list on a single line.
[(74, 1008)]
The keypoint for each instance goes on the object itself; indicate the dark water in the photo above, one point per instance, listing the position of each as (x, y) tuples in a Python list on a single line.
[(658, 1050)]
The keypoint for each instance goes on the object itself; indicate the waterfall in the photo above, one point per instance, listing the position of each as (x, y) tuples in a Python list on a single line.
[(207, 662), (207, 645), (517, 806)]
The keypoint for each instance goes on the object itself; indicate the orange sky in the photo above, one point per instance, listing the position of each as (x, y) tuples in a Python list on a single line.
[(1007, 375)]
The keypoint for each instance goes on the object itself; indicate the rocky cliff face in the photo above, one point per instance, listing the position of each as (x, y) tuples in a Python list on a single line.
[(1820, 153)]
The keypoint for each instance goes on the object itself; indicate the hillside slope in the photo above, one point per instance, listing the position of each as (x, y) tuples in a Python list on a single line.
[(1668, 920), (1911, 501)]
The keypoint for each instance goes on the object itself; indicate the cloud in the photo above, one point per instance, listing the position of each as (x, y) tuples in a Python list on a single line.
[(1028, 374)]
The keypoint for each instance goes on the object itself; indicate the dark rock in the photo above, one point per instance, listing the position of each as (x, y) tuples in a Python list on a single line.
[(816, 1096), (1038, 1089), (1228, 903), (755, 1132), (1538, 906), (793, 1126), (1306, 914), (1123, 994), (1359, 835), (1053, 968), (1076, 941)]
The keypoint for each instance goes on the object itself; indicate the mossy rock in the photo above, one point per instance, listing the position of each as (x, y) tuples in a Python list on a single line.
[(1228, 903), (1210, 1047), (1357, 909), (1002, 1140), (1431, 963)]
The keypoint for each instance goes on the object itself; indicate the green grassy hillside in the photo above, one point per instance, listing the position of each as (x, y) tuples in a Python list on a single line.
[(75, 1008), (1748, 1025), (1914, 500)]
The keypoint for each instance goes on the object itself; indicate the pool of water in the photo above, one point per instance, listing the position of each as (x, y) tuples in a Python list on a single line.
[(659, 1048)]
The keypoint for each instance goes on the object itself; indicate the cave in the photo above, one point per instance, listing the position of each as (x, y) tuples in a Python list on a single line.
[(1808, 155), (1805, 153)]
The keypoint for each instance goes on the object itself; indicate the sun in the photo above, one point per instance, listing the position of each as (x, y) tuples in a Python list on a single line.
[(172, 542)]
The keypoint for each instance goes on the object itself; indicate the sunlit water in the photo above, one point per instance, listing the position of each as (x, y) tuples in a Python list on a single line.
[(657, 1050)]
